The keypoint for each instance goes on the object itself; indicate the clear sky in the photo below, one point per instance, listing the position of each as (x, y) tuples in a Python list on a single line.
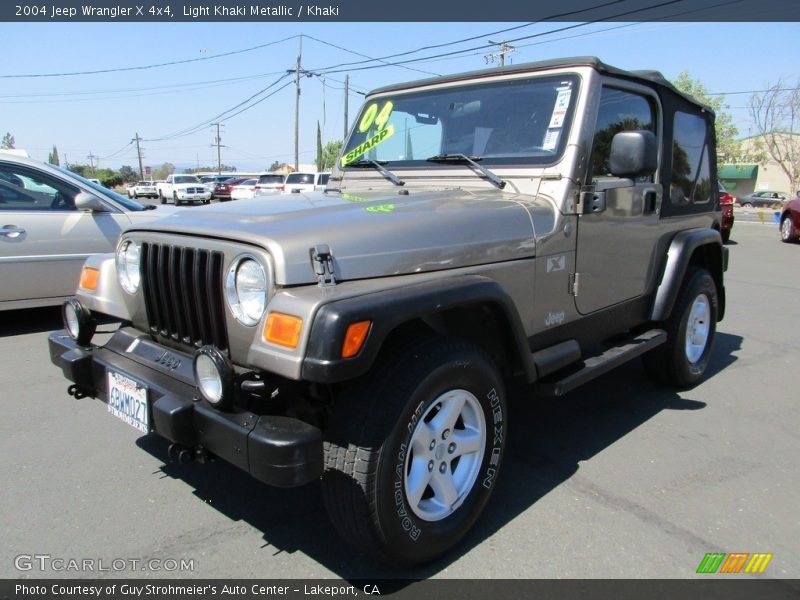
[(100, 113)]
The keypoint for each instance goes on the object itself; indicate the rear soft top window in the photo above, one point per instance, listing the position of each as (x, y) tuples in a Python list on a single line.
[(270, 179)]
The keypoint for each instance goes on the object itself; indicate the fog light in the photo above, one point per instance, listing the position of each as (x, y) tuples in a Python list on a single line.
[(78, 321), (213, 374)]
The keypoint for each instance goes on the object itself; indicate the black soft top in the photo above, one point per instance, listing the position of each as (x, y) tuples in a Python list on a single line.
[(650, 77)]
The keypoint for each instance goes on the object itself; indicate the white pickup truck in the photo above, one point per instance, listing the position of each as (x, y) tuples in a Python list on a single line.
[(183, 188)]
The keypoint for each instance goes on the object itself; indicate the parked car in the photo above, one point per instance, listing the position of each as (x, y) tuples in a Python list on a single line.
[(763, 199), (243, 190), (726, 206), (52, 220), (183, 188), (211, 181), (222, 189), (145, 189), (269, 184), (790, 220), (366, 340), (303, 182)]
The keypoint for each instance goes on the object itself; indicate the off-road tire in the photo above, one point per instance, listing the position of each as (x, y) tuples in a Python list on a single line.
[(370, 448), (679, 362)]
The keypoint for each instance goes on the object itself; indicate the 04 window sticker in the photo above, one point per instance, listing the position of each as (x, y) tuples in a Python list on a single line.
[(372, 117)]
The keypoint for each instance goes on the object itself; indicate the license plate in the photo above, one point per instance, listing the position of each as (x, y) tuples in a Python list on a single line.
[(127, 400)]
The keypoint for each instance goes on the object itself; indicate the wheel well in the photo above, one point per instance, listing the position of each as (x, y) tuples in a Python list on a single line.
[(485, 325), (709, 257)]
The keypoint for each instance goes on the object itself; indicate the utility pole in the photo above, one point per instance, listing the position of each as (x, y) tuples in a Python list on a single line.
[(91, 158), (297, 108), (346, 96), (219, 156), (499, 56), (139, 154)]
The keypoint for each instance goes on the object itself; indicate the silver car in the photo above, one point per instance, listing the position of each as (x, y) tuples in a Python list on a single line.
[(51, 221)]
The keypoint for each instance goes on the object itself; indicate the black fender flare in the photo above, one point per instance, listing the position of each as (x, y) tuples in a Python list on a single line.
[(391, 308), (679, 257)]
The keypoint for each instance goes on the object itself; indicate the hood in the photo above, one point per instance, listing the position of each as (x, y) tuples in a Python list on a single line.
[(373, 234)]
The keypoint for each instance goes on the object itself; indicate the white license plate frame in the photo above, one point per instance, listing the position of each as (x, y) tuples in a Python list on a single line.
[(127, 400)]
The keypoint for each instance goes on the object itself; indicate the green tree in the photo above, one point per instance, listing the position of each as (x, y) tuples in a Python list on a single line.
[(126, 173), (8, 142), (330, 153), (276, 164), (163, 171), (319, 160), (728, 148), (227, 168), (82, 170), (53, 157)]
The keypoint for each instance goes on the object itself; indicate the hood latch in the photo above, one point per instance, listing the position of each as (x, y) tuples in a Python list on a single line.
[(322, 261)]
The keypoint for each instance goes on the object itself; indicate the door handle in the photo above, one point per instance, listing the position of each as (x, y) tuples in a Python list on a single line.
[(11, 231)]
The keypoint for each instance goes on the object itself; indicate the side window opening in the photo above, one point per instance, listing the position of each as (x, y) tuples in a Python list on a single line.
[(620, 110)]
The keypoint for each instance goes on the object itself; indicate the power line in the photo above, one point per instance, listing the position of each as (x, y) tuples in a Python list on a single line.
[(527, 37), (154, 66), (476, 37), (190, 130)]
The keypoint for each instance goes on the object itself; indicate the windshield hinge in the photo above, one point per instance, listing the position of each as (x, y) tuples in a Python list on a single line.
[(322, 261), (574, 284)]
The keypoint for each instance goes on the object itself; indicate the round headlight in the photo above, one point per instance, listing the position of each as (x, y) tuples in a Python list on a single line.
[(128, 266), (213, 375), (246, 290)]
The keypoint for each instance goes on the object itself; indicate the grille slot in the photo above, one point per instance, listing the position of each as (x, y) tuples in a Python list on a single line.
[(183, 294)]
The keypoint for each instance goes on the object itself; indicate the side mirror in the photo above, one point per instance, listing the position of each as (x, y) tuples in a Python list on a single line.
[(633, 153), (84, 201)]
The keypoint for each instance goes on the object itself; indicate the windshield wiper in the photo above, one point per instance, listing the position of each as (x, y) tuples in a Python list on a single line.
[(381, 169), (471, 161)]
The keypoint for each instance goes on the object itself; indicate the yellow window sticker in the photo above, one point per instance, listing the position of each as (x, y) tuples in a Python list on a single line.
[(372, 116), (366, 145)]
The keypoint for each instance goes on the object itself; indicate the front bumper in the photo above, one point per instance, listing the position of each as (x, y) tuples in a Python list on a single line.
[(277, 450)]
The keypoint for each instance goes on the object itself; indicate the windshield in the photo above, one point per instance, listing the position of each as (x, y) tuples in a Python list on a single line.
[(126, 203), (517, 121), (186, 179)]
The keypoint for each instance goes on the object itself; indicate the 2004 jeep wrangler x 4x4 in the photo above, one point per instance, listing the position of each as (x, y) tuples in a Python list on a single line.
[(480, 227)]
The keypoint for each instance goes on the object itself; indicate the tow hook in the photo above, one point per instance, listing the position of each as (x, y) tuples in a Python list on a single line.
[(78, 392), (184, 454)]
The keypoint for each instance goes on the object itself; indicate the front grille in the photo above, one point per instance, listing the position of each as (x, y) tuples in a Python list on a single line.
[(195, 190), (183, 294)]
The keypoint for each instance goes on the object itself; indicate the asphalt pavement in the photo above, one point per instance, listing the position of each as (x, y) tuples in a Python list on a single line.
[(620, 479)]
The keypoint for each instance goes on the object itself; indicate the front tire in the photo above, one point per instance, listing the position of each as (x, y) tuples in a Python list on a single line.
[(413, 451), (682, 361), (788, 234)]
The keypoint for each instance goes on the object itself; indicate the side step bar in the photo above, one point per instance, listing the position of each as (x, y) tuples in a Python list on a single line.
[(598, 365)]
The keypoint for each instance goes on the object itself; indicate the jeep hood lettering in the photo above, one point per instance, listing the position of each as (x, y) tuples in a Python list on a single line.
[(373, 234)]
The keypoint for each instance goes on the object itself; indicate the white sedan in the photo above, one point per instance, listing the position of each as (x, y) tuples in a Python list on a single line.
[(244, 190)]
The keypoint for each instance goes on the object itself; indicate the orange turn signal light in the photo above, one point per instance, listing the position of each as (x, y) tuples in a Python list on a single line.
[(283, 330), (354, 338), (89, 278)]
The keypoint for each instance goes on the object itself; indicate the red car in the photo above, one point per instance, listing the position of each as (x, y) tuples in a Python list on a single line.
[(726, 204), (790, 220), (222, 190)]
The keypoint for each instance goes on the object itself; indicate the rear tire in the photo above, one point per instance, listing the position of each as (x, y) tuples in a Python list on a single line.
[(682, 361), (413, 450)]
